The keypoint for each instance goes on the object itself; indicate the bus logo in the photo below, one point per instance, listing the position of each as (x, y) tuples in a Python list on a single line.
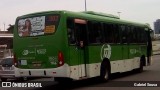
[(25, 52), (105, 51)]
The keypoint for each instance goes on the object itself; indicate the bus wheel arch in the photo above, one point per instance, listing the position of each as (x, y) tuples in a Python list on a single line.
[(105, 69)]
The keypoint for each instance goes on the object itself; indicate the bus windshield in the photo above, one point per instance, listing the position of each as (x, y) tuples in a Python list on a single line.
[(7, 61), (39, 25)]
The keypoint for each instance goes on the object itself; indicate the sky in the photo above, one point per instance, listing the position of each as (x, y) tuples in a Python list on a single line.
[(142, 11)]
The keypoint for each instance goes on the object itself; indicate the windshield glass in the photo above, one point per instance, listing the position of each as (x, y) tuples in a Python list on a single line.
[(39, 25), (8, 61)]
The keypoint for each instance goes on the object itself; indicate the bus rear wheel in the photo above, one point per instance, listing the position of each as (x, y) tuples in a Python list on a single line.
[(105, 70)]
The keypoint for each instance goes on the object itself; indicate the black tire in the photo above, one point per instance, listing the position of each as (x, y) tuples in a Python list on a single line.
[(142, 60), (3, 79), (105, 70)]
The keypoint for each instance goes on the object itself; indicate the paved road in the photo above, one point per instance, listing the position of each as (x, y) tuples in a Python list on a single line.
[(118, 81)]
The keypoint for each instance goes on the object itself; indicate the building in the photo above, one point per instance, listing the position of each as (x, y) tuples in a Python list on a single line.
[(6, 42), (157, 26), (9, 30)]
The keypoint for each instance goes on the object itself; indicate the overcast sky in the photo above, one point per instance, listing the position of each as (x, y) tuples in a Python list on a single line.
[(143, 11)]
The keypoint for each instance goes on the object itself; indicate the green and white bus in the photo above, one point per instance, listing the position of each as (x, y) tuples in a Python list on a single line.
[(78, 45)]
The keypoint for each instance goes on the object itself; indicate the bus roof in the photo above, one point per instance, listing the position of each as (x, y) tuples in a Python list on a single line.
[(91, 16), (101, 14)]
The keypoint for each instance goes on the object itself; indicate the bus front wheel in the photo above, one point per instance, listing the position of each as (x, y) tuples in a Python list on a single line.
[(142, 61)]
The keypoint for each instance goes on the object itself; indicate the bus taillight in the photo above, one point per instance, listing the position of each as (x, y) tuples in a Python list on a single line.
[(60, 59)]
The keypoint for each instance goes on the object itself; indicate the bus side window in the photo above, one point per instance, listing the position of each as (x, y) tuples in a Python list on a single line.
[(144, 36), (128, 34), (95, 32), (138, 35), (124, 34), (132, 35), (116, 33), (108, 33), (71, 32), (105, 32)]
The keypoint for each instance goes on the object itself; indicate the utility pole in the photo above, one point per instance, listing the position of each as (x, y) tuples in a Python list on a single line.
[(85, 5), (4, 26)]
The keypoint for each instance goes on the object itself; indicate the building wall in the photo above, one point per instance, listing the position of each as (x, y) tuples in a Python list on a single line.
[(157, 26), (6, 44)]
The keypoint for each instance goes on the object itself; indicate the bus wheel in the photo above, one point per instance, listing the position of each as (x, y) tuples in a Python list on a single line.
[(105, 70), (142, 60), (3, 79)]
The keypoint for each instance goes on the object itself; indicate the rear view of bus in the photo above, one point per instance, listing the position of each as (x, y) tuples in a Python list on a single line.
[(39, 45), (79, 45)]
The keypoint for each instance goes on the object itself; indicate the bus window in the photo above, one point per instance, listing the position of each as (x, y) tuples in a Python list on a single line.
[(143, 36), (108, 33), (111, 33), (71, 32), (95, 32), (138, 35), (81, 32), (124, 34), (116, 34), (128, 34), (132, 35)]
